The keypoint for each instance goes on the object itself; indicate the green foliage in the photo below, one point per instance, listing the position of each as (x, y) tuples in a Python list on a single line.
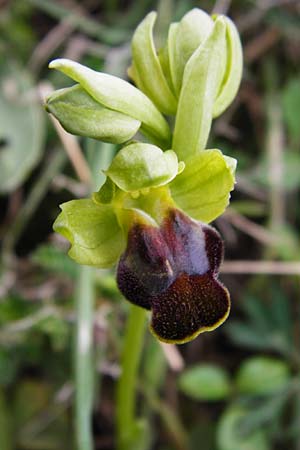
[(205, 382), (229, 436), (262, 375), (21, 128)]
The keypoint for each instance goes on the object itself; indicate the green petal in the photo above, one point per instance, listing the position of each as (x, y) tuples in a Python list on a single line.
[(234, 69), (118, 95), (151, 78), (93, 230), (201, 80), (139, 166), (80, 114), (202, 190), (191, 32)]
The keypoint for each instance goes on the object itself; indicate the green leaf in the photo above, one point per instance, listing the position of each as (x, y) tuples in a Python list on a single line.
[(262, 375), (80, 114), (202, 190), (191, 32), (202, 76), (205, 382), (93, 230), (139, 166), (150, 77), (234, 69), (118, 95), (291, 107), (229, 436), (21, 129)]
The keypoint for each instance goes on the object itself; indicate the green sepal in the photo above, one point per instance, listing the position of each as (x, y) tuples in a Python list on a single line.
[(106, 193), (118, 95), (80, 114), (140, 166), (202, 76), (202, 190), (93, 231), (234, 69), (147, 70), (191, 32)]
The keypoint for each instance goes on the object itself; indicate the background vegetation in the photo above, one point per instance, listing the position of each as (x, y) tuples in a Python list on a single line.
[(237, 388)]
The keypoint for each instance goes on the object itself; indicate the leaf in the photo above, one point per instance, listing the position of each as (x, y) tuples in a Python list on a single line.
[(291, 107), (233, 72), (205, 382), (202, 76), (118, 95), (139, 166), (21, 129), (191, 32), (80, 114), (229, 436), (150, 76), (262, 375), (93, 230), (202, 190)]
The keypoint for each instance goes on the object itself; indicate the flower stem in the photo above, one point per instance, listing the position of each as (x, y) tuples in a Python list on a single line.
[(126, 388), (84, 369)]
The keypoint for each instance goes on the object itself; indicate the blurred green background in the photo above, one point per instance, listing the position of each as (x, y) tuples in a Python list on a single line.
[(237, 388)]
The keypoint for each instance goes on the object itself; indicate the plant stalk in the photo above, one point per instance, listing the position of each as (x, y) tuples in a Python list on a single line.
[(127, 384)]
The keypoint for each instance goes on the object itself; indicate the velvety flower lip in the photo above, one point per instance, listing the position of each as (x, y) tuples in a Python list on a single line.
[(172, 270)]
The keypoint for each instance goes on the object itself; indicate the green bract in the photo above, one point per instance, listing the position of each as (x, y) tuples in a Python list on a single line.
[(118, 95), (139, 166), (80, 114)]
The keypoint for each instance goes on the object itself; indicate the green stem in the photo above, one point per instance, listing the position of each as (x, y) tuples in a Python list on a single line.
[(126, 389), (84, 368)]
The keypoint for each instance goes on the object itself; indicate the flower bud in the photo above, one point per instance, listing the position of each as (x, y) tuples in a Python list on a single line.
[(80, 114)]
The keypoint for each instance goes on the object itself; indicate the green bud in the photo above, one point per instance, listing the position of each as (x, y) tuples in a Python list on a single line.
[(202, 75), (118, 95), (147, 71), (190, 33), (233, 72), (140, 166), (80, 114)]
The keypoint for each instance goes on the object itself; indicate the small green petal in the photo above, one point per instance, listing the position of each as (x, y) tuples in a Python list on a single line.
[(234, 69), (93, 230), (191, 32), (118, 95), (138, 166), (151, 78), (80, 114), (106, 193), (201, 79), (202, 190)]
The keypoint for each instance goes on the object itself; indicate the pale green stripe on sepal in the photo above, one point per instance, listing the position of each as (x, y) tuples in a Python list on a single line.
[(93, 231), (191, 32), (80, 114), (150, 76), (202, 190), (202, 75), (234, 69), (141, 166), (118, 95)]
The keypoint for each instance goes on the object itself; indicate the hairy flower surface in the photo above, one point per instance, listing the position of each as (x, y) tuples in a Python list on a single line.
[(173, 271)]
